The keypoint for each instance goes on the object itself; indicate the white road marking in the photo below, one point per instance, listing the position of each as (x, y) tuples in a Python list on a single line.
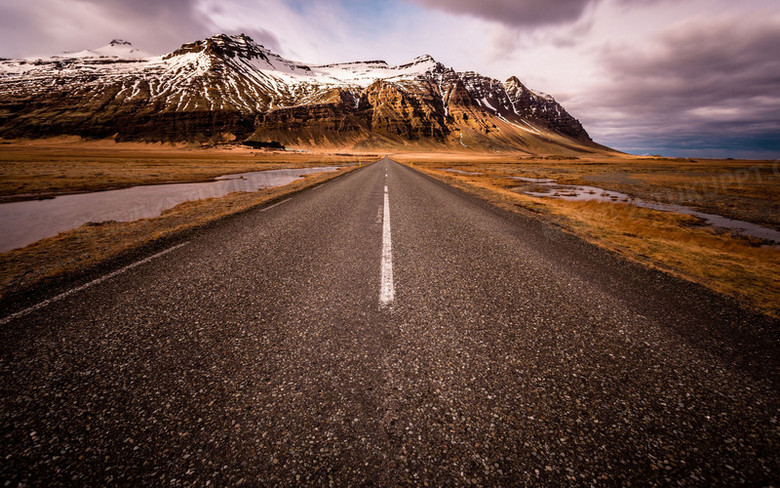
[(386, 290), (59, 297), (275, 204)]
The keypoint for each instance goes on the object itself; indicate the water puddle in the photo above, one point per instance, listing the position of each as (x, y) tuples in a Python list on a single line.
[(580, 193), (22, 223), (534, 180)]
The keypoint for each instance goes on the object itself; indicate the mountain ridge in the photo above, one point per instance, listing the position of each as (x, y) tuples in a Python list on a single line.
[(229, 88)]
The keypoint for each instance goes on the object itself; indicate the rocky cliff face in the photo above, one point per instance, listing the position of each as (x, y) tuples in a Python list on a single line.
[(230, 88), (543, 109)]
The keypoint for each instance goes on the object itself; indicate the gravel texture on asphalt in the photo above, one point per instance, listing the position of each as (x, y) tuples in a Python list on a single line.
[(513, 354)]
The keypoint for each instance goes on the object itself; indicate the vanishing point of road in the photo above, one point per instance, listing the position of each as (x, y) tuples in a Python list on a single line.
[(385, 329)]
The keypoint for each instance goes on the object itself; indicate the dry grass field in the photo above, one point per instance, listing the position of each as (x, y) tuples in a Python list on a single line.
[(742, 267), (49, 167), (745, 268), (61, 166), (93, 244)]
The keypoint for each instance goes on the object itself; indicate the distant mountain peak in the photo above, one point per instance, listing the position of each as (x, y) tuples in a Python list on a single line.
[(512, 83), (423, 64), (229, 84), (226, 39), (223, 44), (240, 44), (117, 48), (425, 59)]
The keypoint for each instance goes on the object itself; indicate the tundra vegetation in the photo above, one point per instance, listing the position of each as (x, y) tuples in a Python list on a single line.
[(742, 267), (43, 169)]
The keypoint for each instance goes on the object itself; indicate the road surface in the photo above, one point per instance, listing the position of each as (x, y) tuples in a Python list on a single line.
[(385, 329)]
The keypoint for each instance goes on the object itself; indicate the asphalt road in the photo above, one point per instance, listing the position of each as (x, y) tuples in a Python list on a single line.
[(269, 350)]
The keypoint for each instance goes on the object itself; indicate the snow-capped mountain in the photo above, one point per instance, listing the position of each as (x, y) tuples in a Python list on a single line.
[(117, 49), (230, 88)]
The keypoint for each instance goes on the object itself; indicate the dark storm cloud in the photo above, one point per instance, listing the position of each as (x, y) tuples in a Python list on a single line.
[(702, 64), (707, 85), (146, 8), (515, 12), (525, 13)]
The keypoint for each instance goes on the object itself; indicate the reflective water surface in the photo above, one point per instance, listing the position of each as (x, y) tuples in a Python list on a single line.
[(22, 223), (588, 193)]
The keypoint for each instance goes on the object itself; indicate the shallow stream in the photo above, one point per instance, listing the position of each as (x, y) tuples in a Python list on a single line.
[(591, 193), (22, 223)]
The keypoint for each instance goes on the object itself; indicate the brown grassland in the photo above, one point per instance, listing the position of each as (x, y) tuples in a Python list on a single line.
[(50, 167), (737, 266), (98, 166), (741, 267)]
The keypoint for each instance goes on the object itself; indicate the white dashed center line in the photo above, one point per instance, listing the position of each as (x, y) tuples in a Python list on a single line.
[(386, 291)]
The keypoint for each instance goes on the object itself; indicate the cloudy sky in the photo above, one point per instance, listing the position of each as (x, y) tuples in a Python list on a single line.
[(689, 78)]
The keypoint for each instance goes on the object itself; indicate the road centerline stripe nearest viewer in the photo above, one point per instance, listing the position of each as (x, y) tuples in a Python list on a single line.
[(386, 290)]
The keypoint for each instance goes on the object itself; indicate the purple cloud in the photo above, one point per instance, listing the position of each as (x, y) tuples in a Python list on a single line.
[(700, 83), (514, 12)]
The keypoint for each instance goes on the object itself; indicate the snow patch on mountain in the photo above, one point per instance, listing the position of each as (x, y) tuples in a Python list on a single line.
[(117, 48), (233, 74)]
